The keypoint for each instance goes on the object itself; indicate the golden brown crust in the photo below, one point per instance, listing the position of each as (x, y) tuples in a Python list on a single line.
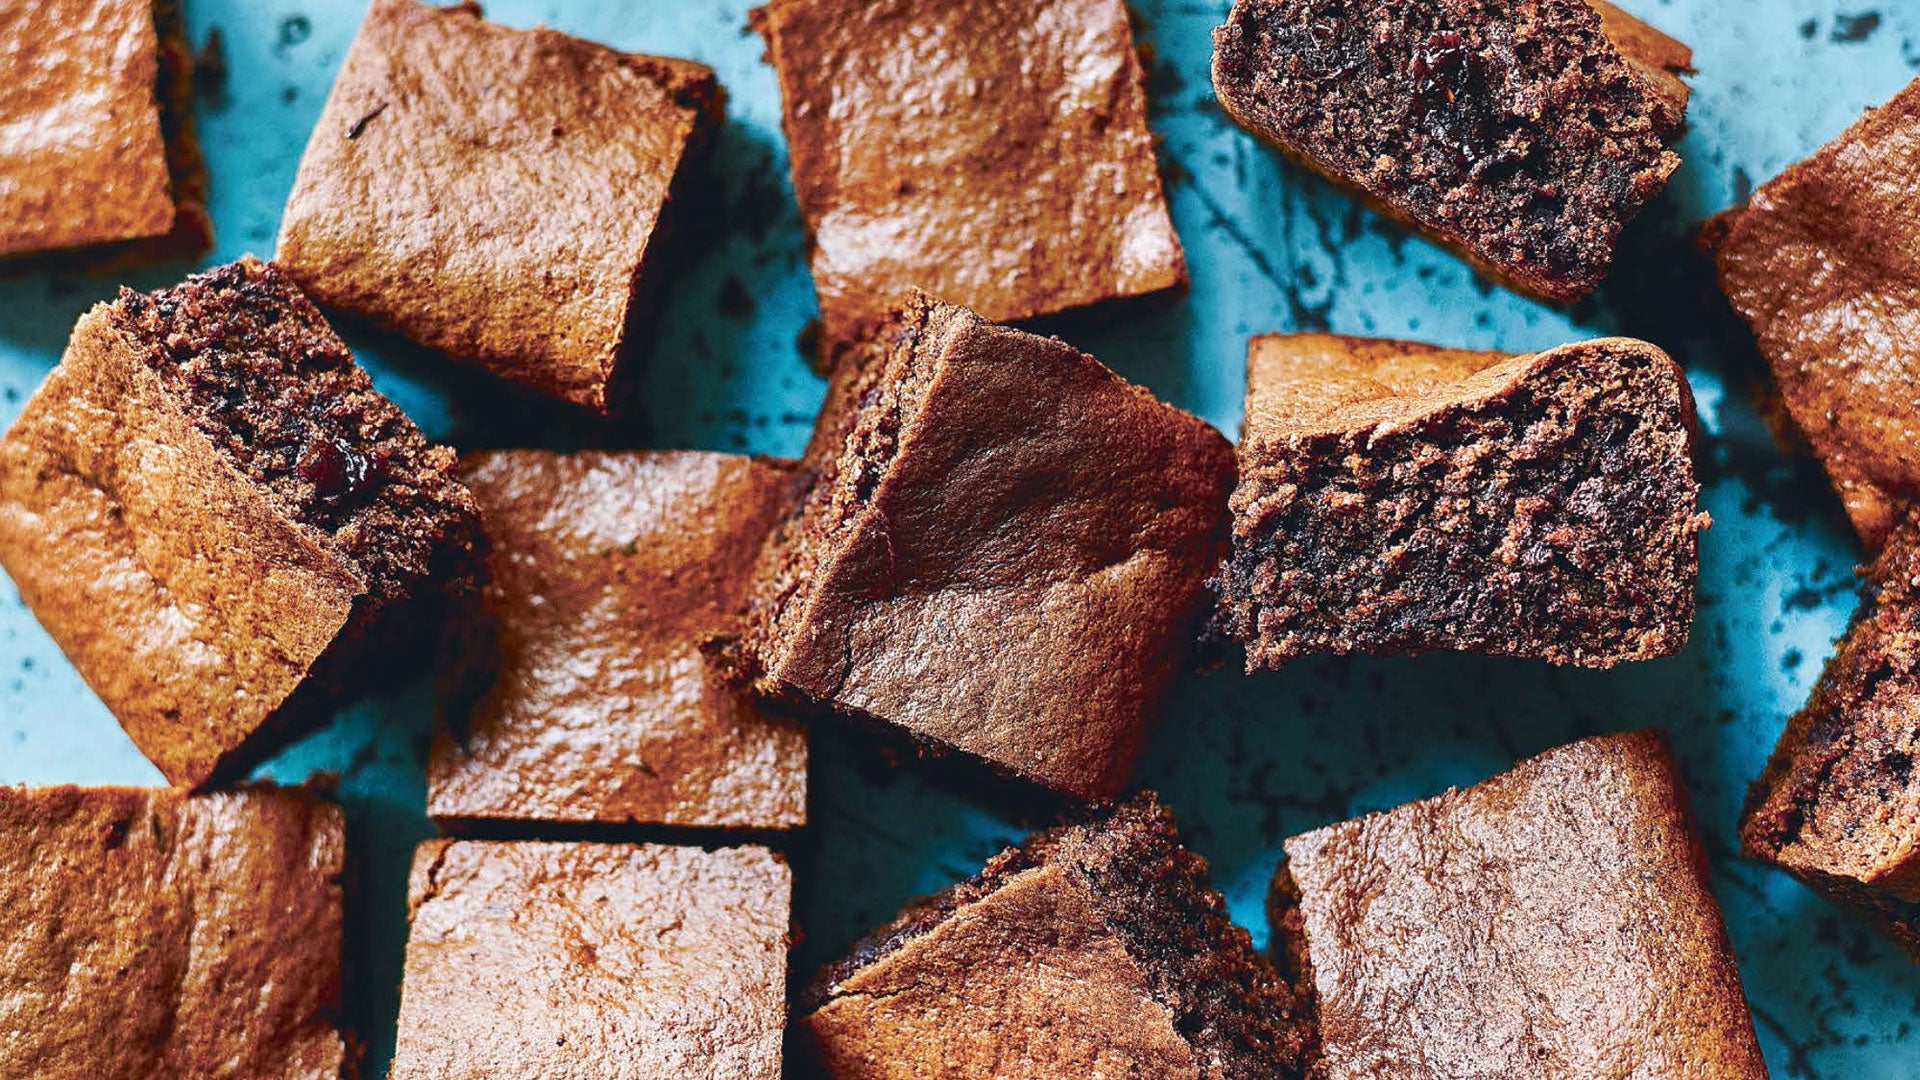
[(493, 193), (1301, 384), (610, 572), (1552, 922), (992, 152), (1005, 555), (1096, 948), (1824, 264), (624, 962), (1026, 983), (84, 156), (183, 595), (154, 935)]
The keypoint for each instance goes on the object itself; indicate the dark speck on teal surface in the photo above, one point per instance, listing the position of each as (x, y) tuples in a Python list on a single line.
[(1244, 761)]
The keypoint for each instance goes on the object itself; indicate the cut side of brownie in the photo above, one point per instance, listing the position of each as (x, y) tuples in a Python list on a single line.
[(221, 522), (1554, 921), (1002, 551), (1523, 136), (1839, 804), (1399, 498), (272, 386), (848, 457), (192, 231), (1096, 942)]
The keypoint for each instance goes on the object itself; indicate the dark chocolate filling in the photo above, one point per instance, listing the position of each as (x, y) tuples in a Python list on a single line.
[(1850, 751), (1553, 519), (262, 375), (1152, 893), (1528, 137)]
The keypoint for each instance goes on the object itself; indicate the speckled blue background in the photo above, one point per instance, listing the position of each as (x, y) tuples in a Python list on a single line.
[(1245, 761)]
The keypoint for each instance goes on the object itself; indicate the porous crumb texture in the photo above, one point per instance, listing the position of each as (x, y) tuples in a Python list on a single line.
[(277, 392), (1839, 803), (892, 380), (1288, 950), (1515, 130), (1549, 512), (1226, 1001)]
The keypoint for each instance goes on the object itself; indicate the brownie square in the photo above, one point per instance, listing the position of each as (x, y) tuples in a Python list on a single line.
[(1522, 136), (992, 152), (529, 961), (1399, 498), (220, 521), (96, 143), (1823, 264), (611, 570), (1093, 949), (1839, 805), (1003, 551), (495, 194), (1553, 921), (154, 934)]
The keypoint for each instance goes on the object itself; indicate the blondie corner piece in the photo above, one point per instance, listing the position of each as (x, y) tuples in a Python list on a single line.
[(993, 152), (1839, 804), (611, 571), (1523, 136), (1093, 949), (495, 194), (153, 934), (1823, 262), (1003, 552), (218, 518), (1554, 921), (96, 141), (620, 962), (1400, 498)]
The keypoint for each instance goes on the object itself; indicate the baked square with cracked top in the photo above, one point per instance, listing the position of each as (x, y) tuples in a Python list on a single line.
[(610, 572), (157, 935), (497, 194), (620, 962)]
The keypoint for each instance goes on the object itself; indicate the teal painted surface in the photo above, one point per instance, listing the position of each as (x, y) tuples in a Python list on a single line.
[(1245, 761)]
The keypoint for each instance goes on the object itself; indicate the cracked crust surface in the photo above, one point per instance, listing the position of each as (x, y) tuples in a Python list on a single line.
[(1093, 949), (1552, 922), (494, 193), (95, 144), (1003, 550), (610, 571), (622, 962), (993, 152), (1823, 262), (156, 935), (1839, 804)]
